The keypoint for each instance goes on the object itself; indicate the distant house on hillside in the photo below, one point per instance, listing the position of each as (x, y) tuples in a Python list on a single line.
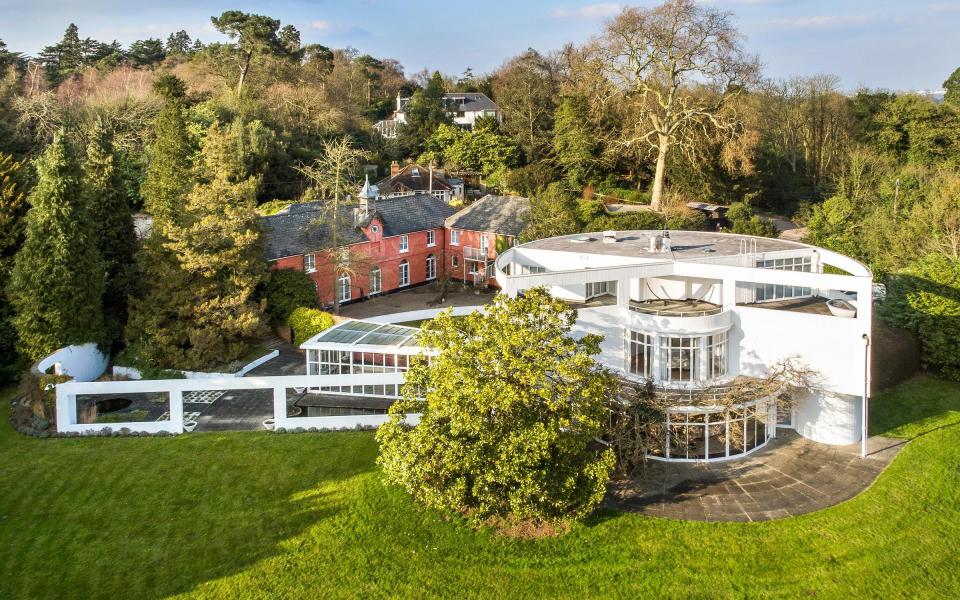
[(463, 108), (415, 179), (479, 232)]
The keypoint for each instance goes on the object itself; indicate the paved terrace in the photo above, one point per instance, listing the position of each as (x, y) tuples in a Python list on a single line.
[(418, 298), (790, 476)]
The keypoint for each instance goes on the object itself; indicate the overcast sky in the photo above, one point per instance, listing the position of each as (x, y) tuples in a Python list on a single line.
[(899, 45)]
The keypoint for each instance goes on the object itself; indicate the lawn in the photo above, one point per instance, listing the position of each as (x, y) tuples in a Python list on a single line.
[(260, 514)]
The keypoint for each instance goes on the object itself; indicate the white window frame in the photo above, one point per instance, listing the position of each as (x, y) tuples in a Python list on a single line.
[(716, 355), (454, 237), (431, 267), (404, 243), (376, 275), (639, 353), (454, 262), (344, 291), (310, 263), (404, 274), (484, 245), (431, 238)]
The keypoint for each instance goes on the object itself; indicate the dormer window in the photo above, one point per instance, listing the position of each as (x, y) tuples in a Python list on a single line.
[(415, 172)]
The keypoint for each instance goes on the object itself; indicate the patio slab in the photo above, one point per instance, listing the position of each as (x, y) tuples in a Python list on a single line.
[(790, 476), (418, 298)]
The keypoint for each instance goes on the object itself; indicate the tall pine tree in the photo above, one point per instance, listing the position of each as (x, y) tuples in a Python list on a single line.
[(13, 208), (202, 267), (57, 282), (117, 242)]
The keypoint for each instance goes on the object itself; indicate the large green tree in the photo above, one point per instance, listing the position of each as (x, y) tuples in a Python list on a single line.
[(553, 211), (925, 298), (255, 35), (424, 113), (57, 283), (13, 209), (576, 142), (952, 89), (169, 177), (510, 403), (109, 208), (203, 267)]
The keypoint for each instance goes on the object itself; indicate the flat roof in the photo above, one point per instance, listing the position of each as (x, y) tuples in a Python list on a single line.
[(367, 333), (684, 244)]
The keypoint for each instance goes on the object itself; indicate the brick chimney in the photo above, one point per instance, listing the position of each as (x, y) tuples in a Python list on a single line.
[(394, 168)]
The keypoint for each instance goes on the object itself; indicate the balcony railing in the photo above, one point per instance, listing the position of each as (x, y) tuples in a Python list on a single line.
[(675, 309), (475, 254)]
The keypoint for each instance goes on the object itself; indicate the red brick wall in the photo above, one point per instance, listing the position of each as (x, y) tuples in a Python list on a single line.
[(472, 239), (379, 251)]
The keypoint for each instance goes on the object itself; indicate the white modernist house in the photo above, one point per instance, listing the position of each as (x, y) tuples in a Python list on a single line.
[(463, 108), (693, 311)]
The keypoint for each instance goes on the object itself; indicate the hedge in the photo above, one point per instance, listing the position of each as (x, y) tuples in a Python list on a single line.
[(308, 322), (287, 290)]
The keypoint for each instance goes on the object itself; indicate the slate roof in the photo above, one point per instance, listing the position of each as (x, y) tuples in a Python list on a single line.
[(303, 228), (505, 215), (473, 101), (412, 177)]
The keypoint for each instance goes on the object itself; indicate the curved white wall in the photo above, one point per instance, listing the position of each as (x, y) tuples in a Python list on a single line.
[(828, 418), (84, 362)]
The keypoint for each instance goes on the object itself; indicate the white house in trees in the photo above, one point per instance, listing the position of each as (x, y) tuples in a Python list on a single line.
[(463, 108), (691, 310)]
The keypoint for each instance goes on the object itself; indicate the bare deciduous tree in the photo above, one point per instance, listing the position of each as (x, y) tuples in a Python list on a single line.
[(673, 68), (333, 176)]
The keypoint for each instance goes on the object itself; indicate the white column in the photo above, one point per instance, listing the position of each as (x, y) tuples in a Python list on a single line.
[(729, 293), (176, 410), (280, 406), (66, 409)]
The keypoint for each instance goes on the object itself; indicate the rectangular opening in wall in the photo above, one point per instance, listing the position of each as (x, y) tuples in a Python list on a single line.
[(116, 410), (339, 401)]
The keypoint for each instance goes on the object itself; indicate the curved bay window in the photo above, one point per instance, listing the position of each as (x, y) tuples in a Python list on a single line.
[(679, 359), (695, 433)]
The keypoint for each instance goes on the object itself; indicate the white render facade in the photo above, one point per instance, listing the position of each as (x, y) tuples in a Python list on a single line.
[(696, 310)]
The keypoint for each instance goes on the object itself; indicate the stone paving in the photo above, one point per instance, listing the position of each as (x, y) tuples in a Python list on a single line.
[(790, 476), (418, 298)]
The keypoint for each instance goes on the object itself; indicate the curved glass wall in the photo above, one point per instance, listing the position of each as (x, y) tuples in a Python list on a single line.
[(695, 433), (675, 359)]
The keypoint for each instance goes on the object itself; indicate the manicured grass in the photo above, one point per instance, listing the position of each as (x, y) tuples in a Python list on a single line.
[(260, 514)]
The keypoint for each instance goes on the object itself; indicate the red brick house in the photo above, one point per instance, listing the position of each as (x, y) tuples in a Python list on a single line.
[(391, 244), (481, 231), (387, 244)]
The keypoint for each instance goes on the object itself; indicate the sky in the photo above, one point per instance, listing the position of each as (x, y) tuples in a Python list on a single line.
[(891, 44)]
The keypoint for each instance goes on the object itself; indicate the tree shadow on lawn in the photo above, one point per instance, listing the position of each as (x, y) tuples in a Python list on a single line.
[(152, 517), (916, 407)]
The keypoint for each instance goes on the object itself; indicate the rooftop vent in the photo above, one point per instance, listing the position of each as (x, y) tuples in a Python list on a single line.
[(609, 237), (580, 239)]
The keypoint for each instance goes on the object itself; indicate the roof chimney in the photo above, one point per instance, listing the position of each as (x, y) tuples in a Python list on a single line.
[(394, 168), (431, 177)]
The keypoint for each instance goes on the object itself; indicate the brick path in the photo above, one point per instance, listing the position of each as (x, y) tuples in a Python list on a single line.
[(790, 476)]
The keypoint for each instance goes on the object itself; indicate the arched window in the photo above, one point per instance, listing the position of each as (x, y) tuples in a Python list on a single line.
[(343, 288), (404, 273), (375, 280), (431, 267)]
